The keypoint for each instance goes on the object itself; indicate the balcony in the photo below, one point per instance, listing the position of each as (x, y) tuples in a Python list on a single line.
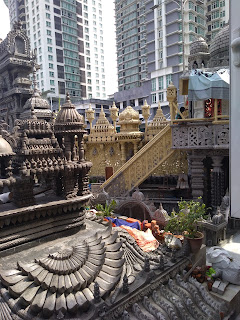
[(195, 134)]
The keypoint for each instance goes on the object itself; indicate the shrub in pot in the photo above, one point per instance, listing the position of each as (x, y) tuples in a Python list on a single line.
[(185, 222)]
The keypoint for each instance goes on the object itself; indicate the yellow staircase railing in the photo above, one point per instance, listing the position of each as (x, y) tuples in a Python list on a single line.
[(137, 169)]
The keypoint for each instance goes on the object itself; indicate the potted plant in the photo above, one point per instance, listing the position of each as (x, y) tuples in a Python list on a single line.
[(186, 220)]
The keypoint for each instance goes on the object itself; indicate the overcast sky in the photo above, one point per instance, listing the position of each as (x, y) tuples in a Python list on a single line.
[(109, 35)]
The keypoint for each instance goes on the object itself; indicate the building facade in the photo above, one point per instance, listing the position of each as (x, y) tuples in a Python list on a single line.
[(217, 17), (154, 33), (70, 60)]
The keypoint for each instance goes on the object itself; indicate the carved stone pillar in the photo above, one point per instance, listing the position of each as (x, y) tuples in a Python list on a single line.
[(81, 148), (123, 153), (135, 147), (197, 175), (217, 181), (68, 148)]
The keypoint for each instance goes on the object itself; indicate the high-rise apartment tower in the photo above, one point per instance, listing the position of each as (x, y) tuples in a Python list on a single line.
[(153, 38), (68, 38)]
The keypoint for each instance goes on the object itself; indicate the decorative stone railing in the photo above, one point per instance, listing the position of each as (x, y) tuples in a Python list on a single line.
[(200, 135), (157, 153)]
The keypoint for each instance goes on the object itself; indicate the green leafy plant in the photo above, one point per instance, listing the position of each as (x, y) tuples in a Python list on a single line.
[(106, 210), (185, 221), (210, 272)]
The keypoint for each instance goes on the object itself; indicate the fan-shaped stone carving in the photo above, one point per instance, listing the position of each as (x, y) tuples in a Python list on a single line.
[(64, 281)]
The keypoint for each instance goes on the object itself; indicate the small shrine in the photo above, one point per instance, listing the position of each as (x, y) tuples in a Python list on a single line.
[(46, 175)]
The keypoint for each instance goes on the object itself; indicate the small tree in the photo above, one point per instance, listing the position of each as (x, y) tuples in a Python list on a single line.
[(186, 220)]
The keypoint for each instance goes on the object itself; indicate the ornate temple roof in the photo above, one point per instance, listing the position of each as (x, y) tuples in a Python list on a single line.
[(159, 119), (220, 42), (36, 101), (36, 107), (199, 46), (5, 148), (103, 275), (129, 115), (16, 42), (219, 48), (102, 125), (68, 119)]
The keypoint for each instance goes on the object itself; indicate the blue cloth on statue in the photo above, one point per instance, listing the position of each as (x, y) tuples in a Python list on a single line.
[(121, 222)]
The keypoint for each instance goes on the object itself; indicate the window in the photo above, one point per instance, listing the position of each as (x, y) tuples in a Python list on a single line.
[(48, 16), (47, 7), (50, 57), (52, 82), (48, 24), (215, 15), (180, 48), (222, 14), (160, 83), (49, 33), (161, 96), (154, 84), (50, 65), (51, 73), (215, 25), (222, 3), (191, 16), (154, 98), (191, 27), (168, 79), (215, 4), (49, 41), (49, 49)]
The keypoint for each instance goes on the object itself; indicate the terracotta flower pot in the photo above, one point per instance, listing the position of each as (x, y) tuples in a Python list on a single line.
[(195, 243)]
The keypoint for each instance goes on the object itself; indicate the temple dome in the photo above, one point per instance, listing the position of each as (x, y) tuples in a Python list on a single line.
[(36, 102), (129, 114), (68, 119), (68, 114), (198, 46), (5, 148), (221, 42)]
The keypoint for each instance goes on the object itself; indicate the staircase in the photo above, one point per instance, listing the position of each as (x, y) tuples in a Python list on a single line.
[(158, 151)]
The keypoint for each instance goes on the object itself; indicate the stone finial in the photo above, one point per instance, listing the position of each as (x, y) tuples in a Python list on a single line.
[(114, 114), (161, 263), (96, 294), (146, 265), (68, 97), (90, 115), (146, 113), (125, 287)]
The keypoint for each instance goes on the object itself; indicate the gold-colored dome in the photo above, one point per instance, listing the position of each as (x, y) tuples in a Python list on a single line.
[(5, 148), (129, 115)]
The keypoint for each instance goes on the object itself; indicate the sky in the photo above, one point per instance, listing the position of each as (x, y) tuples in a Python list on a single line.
[(108, 32)]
